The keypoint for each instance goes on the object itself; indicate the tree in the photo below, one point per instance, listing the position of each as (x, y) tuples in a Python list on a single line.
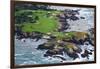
[(25, 17)]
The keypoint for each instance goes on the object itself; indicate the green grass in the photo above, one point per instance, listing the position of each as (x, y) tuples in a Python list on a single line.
[(44, 24)]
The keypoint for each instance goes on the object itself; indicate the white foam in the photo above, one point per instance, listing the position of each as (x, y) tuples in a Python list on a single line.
[(19, 54), (28, 63)]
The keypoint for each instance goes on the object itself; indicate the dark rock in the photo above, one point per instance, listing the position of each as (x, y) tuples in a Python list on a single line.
[(86, 54), (82, 17), (73, 55), (91, 30), (46, 55), (44, 46), (59, 57), (71, 50), (74, 41), (38, 37), (54, 52), (81, 41), (78, 50), (91, 50), (74, 18), (52, 37), (86, 43), (89, 40)]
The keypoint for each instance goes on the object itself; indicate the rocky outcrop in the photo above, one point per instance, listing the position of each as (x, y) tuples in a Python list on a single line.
[(71, 50), (63, 23), (45, 46), (86, 54), (73, 55), (31, 35), (76, 37), (54, 52)]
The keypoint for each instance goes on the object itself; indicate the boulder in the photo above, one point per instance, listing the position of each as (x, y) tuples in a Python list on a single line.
[(71, 47), (71, 50), (82, 17), (86, 54), (45, 46), (79, 37), (91, 41), (73, 55), (52, 52), (73, 17)]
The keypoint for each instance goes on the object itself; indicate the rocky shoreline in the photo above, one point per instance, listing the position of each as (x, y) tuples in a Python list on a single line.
[(55, 47)]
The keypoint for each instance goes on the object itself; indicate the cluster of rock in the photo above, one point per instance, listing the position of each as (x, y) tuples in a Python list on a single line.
[(66, 17), (63, 24), (69, 46), (32, 35)]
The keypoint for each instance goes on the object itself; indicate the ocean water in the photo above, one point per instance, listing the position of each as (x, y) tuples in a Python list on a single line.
[(27, 54), (88, 13)]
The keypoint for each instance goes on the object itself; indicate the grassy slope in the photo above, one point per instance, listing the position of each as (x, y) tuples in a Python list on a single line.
[(44, 24)]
